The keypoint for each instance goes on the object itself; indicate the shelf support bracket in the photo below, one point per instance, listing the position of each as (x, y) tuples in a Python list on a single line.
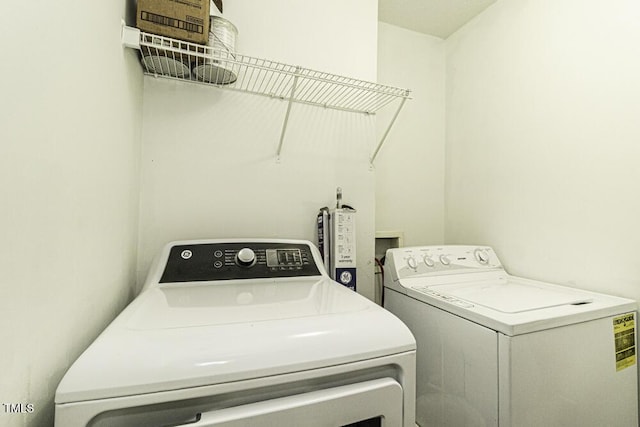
[(130, 37), (286, 117), (386, 133)]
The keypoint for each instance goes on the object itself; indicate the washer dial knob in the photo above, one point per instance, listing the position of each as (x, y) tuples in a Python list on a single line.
[(245, 257), (428, 261), (412, 263), (445, 260), (481, 256)]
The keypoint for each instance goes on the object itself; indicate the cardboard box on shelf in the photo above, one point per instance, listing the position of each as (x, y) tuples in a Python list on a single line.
[(181, 19)]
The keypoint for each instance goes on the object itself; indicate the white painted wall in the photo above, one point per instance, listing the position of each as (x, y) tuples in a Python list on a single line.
[(410, 165), (209, 156), (69, 173), (543, 139)]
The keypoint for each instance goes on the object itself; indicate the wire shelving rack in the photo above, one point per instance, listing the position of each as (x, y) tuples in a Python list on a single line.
[(179, 60)]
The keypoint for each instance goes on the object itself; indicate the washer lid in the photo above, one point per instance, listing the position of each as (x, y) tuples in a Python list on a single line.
[(219, 333), (515, 297), (514, 305)]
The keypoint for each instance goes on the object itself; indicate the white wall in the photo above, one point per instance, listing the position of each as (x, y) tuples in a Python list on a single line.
[(69, 163), (410, 165), (209, 156), (543, 139)]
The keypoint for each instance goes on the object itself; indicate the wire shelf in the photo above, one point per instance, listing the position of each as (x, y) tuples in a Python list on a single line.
[(175, 59)]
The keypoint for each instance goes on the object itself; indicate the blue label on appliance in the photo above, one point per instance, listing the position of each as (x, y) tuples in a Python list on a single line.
[(347, 277)]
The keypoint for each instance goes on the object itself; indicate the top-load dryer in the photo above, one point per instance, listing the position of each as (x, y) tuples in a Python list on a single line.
[(245, 332), (498, 350)]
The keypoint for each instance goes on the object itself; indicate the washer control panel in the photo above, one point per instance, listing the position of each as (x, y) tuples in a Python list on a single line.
[(440, 260), (238, 260)]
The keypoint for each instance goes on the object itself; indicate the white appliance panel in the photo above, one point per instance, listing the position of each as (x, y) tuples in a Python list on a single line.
[(566, 377), (262, 300), (334, 407), (558, 360), (457, 377), (484, 293), (243, 333), (512, 297), (179, 406)]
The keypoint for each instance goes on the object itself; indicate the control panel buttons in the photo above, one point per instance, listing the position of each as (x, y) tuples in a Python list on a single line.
[(219, 260), (412, 263), (445, 260), (428, 261), (245, 257), (481, 256)]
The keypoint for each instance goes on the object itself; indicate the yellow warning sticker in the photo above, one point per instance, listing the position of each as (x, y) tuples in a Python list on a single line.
[(624, 331)]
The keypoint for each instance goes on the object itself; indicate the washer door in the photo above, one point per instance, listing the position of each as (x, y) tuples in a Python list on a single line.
[(371, 403), (515, 296)]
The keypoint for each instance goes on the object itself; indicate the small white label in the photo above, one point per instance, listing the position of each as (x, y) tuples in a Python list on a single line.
[(186, 254)]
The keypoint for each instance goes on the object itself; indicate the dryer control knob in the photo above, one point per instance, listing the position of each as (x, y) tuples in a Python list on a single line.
[(245, 257), (445, 260), (428, 261), (412, 263)]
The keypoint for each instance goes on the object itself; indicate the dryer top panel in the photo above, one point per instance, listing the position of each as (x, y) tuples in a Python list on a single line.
[(273, 311)]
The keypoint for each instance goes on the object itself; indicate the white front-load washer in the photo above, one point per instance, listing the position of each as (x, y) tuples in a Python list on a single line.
[(498, 350), (248, 332)]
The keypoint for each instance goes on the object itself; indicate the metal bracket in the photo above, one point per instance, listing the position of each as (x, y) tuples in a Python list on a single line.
[(386, 133), (130, 36), (286, 117)]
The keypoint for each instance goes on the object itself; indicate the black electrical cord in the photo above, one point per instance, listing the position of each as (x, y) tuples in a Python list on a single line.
[(380, 264)]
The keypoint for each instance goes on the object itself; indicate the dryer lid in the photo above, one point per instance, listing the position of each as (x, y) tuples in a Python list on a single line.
[(240, 301), (162, 343)]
